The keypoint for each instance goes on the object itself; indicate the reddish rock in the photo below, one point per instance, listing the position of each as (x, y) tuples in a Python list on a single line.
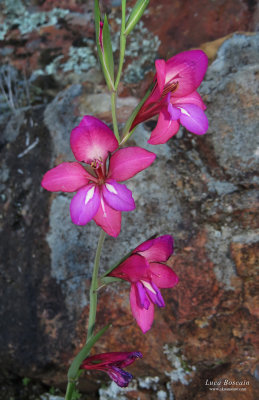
[(197, 294), (181, 25), (246, 257)]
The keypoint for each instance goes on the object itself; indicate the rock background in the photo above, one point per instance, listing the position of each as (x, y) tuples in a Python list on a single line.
[(202, 190)]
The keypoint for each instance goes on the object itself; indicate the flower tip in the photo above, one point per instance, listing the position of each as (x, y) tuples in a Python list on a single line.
[(154, 156), (146, 328), (137, 354), (169, 239), (43, 182), (154, 140), (46, 182)]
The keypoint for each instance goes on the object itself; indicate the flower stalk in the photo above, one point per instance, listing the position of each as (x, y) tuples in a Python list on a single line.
[(122, 43), (94, 286), (114, 116), (74, 373)]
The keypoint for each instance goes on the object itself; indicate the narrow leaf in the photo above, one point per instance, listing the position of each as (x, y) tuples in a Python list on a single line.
[(135, 15), (106, 280), (135, 111), (73, 370), (107, 50), (107, 71), (97, 19), (116, 265)]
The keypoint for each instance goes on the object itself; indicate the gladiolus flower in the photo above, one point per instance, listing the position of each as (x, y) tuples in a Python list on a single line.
[(174, 97), (99, 195), (112, 364), (145, 270)]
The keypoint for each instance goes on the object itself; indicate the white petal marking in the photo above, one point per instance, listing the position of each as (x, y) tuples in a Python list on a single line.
[(183, 111), (148, 286), (89, 195), (103, 207), (111, 188)]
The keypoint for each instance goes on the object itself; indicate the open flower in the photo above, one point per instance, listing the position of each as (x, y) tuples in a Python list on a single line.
[(112, 364), (99, 195), (174, 97), (146, 273)]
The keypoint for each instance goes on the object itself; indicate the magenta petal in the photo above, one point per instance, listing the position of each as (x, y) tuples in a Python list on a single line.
[(119, 358), (142, 296), (174, 112), (66, 177), (92, 140), (143, 317), (118, 196), (188, 69), (193, 118), (154, 294), (84, 205), (158, 249), (165, 128), (119, 376), (108, 219), (193, 98), (160, 74), (133, 269), (163, 276), (127, 162)]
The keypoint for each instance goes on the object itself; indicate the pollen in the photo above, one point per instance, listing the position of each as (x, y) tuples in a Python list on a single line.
[(97, 163), (170, 88)]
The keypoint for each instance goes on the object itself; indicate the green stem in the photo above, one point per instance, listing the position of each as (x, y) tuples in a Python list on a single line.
[(126, 137), (114, 117), (70, 390), (126, 131), (121, 61), (90, 340), (94, 287), (122, 42)]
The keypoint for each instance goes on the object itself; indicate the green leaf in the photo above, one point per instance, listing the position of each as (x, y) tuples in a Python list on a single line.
[(135, 15), (106, 280), (97, 19), (107, 50), (130, 120), (26, 381), (105, 55), (116, 265), (52, 390), (73, 370), (76, 395)]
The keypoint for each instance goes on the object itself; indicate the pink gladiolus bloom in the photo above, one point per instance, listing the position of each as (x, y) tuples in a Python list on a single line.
[(174, 97), (99, 195), (145, 270), (112, 364)]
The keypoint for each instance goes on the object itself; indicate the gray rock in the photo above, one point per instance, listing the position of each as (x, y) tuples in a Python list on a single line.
[(232, 88)]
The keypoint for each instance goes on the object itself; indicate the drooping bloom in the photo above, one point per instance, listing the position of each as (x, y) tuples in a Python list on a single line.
[(112, 364), (174, 97), (99, 196), (145, 270)]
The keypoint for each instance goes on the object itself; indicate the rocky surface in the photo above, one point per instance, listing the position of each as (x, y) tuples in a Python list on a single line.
[(202, 190)]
